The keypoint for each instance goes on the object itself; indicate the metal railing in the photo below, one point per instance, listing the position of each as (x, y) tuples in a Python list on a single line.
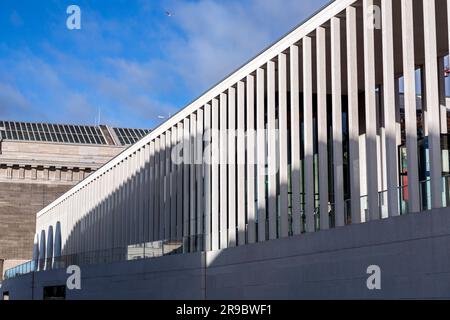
[(139, 251)]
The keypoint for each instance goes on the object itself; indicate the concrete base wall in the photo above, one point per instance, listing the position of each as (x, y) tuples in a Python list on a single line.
[(412, 251)]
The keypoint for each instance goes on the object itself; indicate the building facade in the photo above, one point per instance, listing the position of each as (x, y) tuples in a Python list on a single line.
[(38, 163), (342, 121)]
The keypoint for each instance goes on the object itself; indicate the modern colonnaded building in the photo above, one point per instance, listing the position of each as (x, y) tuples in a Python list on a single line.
[(338, 125)]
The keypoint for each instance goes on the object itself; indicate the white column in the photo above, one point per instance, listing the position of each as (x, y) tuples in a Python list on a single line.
[(390, 108), (180, 221), (232, 167), (134, 199), (240, 191), (223, 171), (353, 114), (157, 191), (410, 105), (337, 121), (145, 190), (296, 175), (168, 199), (186, 185), (432, 100), (173, 185), (134, 205), (199, 168), (322, 127), (371, 113), (162, 194), (215, 159), (207, 183), (272, 152), (151, 194), (261, 154), (442, 97), (251, 147), (127, 177), (308, 134), (138, 187), (192, 187), (282, 127)]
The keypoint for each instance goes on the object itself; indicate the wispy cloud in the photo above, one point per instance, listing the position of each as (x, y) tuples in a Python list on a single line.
[(16, 19), (13, 102), (217, 37)]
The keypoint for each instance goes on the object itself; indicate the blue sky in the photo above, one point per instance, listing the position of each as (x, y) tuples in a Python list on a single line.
[(129, 60)]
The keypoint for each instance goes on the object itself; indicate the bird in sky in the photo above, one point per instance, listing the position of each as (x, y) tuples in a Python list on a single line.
[(169, 14)]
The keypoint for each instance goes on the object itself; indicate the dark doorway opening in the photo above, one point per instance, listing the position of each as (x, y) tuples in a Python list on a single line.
[(55, 293)]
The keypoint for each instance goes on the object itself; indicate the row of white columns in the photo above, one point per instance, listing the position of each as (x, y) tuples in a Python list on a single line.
[(209, 196)]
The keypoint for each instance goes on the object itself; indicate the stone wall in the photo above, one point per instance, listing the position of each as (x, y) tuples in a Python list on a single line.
[(18, 204), (32, 175)]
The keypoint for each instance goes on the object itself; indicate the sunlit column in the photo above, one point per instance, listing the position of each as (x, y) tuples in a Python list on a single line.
[(162, 194), (180, 217), (283, 137), (296, 175), (432, 100), (199, 169), (134, 199), (240, 191), (390, 108), (272, 152), (173, 185), (192, 177), (371, 113), (442, 95), (337, 121), (215, 159), (186, 185), (157, 191), (410, 105), (207, 181), (251, 156), (168, 200), (353, 114), (322, 127), (308, 134), (261, 154), (232, 167), (223, 171), (151, 193)]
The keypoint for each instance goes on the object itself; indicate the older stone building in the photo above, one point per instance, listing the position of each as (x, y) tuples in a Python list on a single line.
[(38, 163)]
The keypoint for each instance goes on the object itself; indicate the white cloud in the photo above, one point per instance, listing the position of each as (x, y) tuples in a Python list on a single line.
[(219, 36), (12, 101)]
